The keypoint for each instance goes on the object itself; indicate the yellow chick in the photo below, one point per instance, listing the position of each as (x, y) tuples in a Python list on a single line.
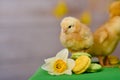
[(106, 39), (75, 35), (114, 9), (107, 36)]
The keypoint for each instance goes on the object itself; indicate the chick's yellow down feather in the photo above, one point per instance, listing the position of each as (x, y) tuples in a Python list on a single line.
[(74, 35), (114, 9), (106, 39)]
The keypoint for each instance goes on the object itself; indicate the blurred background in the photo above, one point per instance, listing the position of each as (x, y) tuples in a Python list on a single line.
[(29, 31)]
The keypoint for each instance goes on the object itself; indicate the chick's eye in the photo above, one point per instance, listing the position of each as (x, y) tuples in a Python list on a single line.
[(69, 26)]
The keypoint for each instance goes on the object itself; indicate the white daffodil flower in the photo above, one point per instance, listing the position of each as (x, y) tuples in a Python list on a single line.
[(60, 64)]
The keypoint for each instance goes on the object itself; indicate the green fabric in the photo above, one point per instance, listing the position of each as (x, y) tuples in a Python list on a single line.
[(105, 74)]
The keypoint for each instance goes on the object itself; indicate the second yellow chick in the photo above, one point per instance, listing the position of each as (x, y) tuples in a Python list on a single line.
[(106, 39)]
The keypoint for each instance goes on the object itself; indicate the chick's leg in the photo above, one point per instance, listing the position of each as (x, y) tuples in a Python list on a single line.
[(106, 60), (101, 60)]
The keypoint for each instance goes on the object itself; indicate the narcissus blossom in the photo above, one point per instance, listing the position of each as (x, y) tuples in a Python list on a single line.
[(60, 64)]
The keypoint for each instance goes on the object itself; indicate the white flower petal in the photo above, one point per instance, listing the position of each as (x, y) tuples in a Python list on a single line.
[(69, 72), (47, 67), (54, 73), (63, 54), (51, 73), (50, 59), (70, 64)]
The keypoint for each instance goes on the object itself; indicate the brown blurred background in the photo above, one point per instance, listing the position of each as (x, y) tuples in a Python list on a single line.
[(29, 32)]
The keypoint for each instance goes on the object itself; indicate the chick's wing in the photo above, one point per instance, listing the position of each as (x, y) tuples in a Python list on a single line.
[(101, 36)]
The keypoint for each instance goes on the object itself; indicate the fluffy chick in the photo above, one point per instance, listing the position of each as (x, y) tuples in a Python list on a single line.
[(106, 39), (107, 36), (114, 9), (74, 35)]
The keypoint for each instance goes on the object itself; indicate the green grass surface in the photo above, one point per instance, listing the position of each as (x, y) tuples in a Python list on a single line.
[(105, 74)]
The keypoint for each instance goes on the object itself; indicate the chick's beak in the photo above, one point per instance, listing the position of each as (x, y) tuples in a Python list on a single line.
[(65, 30)]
